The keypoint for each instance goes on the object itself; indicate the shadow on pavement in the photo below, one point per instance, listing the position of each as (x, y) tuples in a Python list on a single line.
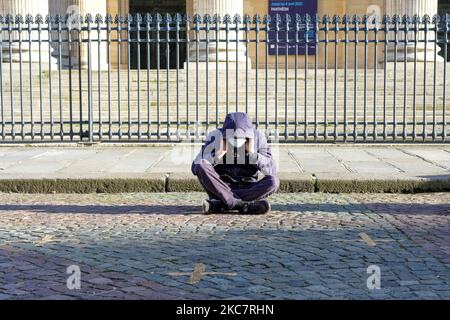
[(378, 208), (104, 209)]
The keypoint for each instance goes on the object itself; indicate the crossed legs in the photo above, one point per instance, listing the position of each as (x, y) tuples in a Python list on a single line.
[(217, 188)]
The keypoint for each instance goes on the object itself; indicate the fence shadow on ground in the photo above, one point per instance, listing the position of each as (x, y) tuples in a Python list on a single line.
[(376, 208), (103, 209), (290, 208)]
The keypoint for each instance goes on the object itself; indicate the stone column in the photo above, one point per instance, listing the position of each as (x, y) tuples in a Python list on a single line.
[(24, 7), (410, 8), (220, 7), (77, 9)]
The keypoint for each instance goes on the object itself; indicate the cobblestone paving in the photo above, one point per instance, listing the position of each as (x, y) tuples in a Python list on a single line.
[(160, 246)]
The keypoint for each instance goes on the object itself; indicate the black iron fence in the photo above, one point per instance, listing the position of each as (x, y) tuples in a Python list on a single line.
[(174, 78)]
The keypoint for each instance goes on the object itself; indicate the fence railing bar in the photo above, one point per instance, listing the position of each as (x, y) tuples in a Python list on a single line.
[(414, 108), (147, 43), (266, 69), (217, 21), (80, 81), (2, 102), (99, 87), (119, 62), (247, 45), (49, 23), (375, 66), (108, 21), (168, 20), (237, 20), (336, 21), (177, 52), (297, 41), (69, 58), (305, 103), (366, 41), (286, 58), (405, 58), (19, 21), (61, 128), (385, 22), (316, 48), (197, 53), (41, 111), (257, 21), (355, 79), (158, 65), (424, 106), (135, 41), (11, 80), (394, 96), (89, 83), (435, 22), (346, 41), (444, 93), (277, 39), (172, 26), (187, 75), (207, 21), (326, 20), (227, 20), (138, 85), (129, 19)]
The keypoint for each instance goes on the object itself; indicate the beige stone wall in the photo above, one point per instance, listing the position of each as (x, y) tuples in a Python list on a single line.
[(189, 6), (115, 7)]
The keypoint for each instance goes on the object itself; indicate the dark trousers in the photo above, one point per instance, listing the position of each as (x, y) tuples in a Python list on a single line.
[(231, 194)]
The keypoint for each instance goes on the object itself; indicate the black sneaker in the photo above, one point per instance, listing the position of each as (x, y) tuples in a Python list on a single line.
[(213, 206), (255, 207)]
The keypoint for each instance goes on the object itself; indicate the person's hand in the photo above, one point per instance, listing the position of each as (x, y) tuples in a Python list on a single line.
[(222, 150)]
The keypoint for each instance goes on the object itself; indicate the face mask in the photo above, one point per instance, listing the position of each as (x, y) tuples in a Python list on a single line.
[(237, 143)]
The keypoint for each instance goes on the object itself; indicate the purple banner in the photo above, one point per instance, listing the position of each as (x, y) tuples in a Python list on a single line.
[(291, 8)]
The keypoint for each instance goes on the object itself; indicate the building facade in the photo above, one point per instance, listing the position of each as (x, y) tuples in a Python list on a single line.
[(237, 53)]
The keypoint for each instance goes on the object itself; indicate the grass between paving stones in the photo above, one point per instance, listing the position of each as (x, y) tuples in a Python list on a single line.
[(82, 185), (382, 186), (187, 184)]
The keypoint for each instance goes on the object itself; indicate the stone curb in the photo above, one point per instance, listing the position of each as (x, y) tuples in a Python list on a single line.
[(382, 186), (187, 183)]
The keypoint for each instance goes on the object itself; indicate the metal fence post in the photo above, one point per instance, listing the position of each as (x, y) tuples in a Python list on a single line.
[(444, 93), (2, 106), (375, 66), (19, 24), (98, 22), (355, 22), (9, 21), (88, 21), (425, 21), (58, 21)]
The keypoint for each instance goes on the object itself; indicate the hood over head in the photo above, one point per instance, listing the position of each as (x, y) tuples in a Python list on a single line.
[(239, 124)]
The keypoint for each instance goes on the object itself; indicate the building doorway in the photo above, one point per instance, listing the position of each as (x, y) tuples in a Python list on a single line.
[(162, 7)]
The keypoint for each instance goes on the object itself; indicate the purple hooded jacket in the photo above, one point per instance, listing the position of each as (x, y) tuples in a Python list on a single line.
[(239, 125)]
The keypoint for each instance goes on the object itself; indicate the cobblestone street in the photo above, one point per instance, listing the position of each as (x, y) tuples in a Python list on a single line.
[(160, 246)]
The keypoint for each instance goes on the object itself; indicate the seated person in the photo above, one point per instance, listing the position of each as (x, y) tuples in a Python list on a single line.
[(228, 165)]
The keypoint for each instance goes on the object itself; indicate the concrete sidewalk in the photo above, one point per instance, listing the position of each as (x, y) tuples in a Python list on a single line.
[(159, 168)]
